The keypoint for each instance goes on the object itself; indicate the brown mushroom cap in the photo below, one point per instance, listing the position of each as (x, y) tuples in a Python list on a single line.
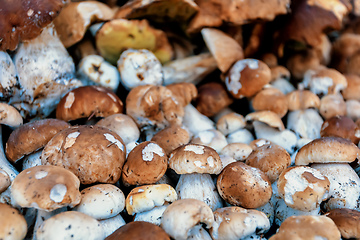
[(307, 227), (230, 123), (23, 20), (12, 223), (347, 221), (138, 230), (243, 185), (247, 77), (93, 153), (268, 117), (145, 164), (194, 158), (4, 180), (271, 99), (46, 187), (32, 136), (302, 99), (353, 88), (88, 101), (332, 105), (327, 150), (271, 159), (341, 126)]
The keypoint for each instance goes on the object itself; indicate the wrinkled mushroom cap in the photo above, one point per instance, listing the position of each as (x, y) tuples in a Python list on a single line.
[(347, 221), (12, 223), (46, 187)]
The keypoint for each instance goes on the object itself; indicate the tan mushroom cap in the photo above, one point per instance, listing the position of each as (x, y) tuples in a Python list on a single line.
[(303, 188), (145, 198), (271, 99), (278, 72), (46, 187), (302, 99), (307, 227), (137, 230), (327, 150), (237, 151), (247, 77), (171, 138), (212, 98), (12, 223), (332, 105), (271, 159), (347, 221), (5, 180), (230, 123), (145, 164), (225, 49), (10, 116), (353, 88), (258, 143), (93, 153), (194, 158), (31, 137), (243, 185), (239, 223), (341, 126), (268, 117), (182, 215), (88, 101)]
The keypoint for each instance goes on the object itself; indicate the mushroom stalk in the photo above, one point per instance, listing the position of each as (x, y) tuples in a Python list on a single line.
[(198, 233), (42, 215), (110, 225)]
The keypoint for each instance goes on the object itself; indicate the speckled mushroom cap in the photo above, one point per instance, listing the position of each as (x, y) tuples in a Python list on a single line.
[(347, 221), (182, 215), (307, 227), (303, 188), (341, 126), (271, 159), (194, 158), (268, 117), (145, 164), (70, 225), (247, 77), (138, 230), (46, 188), (23, 20), (12, 223), (302, 99), (271, 99), (87, 101), (243, 185), (32, 136), (92, 153), (326, 150), (233, 223), (145, 198), (172, 137)]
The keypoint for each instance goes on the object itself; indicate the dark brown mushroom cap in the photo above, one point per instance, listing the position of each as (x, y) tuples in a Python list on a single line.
[(347, 221), (92, 153), (139, 230), (23, 20), (32, 136), (341, 126), (88, 101)]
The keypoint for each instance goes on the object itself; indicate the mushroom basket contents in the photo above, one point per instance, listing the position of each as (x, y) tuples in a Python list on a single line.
[(180, 119)]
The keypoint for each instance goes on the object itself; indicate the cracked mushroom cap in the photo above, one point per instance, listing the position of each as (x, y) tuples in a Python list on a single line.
[(135, 231), (243, 185), (145, 164), (23, 20), (247, 77), (31, 137), (12, 223), (302, 99), (271, 99), (145, 198), (233, 223), (101, 201), (303, 188), (46, 187), (341, 126), (88, 101), (271, 158), (93, 153), (307, 227), (347, 221), (184, 214), (194, 158), (327, 150)]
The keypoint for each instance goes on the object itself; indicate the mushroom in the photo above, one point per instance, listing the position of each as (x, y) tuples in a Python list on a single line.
[(353, 109), (211, 138), (8, 76), (4, 180), (184, 214), (305, 123), (110, 225), (332, 105), (268, 117), (230, 123), (238, 151), (195, 163), (271, 99), (12, 223), (347, 221), (353, 87), (341, 126), (195, 121)]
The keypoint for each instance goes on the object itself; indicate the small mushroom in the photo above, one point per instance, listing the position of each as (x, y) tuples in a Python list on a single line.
[(302, 99), (238, 151), (230, 123), (305, 123), (351, 92), (12, 223), (271, 99), (332, 105)]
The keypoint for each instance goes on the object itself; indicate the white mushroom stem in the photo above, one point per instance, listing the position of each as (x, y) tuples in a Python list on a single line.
[(110, 225), (42, 215), (196, 122), (32, 160), (152, 216), (198, 233), (201, 187)]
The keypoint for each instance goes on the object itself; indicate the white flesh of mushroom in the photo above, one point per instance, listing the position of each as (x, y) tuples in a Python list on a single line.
[(198, 233), (196, 122), (240, 136), (8, 75), (305, 123)]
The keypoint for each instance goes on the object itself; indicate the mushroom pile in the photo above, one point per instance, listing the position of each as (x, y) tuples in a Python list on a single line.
[(180, 119)]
